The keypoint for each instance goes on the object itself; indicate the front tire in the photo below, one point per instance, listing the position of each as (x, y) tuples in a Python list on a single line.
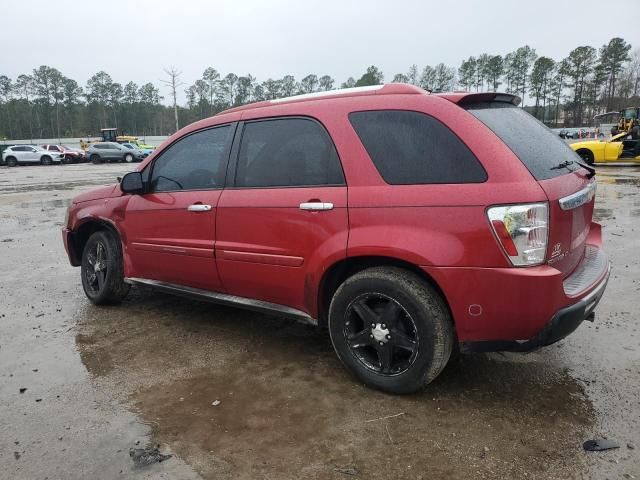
[(67, 159), (391, 329), (46, 160), (128, 158), (95, 159), (102, 269)]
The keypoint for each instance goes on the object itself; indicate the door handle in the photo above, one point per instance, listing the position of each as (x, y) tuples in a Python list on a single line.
[(314, 206), (199, 207)]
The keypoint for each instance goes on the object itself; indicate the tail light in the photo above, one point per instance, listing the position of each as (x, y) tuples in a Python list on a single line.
[(522, 231)]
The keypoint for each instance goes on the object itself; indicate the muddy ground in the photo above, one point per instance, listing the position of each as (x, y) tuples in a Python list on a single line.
[(100, 381)]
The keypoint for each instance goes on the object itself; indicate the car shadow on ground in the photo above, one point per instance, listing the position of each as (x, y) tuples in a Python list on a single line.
[(237, 393)]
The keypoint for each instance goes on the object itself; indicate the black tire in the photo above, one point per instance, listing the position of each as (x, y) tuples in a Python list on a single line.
[(586, 156), (12, 162), (45, 160), (102, 269), (67, 159), (95, 159), (128, 158), (413, 333)]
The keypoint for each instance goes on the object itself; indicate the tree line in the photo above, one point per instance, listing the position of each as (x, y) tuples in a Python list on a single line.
[(568, 91)]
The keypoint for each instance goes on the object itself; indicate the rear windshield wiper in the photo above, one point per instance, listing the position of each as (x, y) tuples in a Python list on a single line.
[(566, 163), (562, 165)]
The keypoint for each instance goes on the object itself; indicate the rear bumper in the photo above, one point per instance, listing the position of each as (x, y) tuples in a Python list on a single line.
[(522, 308), (564, 322)]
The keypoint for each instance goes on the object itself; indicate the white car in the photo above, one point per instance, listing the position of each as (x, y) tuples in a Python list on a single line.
[(18, 154)]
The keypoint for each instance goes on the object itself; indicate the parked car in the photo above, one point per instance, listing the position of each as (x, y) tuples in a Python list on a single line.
[(620, 148), (71, 155), (19, 154), (112, 152), (563, 133), (3, 147), (145, 151), (467, 224)]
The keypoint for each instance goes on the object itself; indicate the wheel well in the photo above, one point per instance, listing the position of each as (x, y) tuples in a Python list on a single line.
[(584, 150), (85, 231), (343, 269)]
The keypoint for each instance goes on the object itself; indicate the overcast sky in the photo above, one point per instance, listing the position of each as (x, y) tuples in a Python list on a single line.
[(136, 39)]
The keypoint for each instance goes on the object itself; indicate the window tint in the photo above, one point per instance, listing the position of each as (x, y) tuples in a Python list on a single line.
[(413, 148), (287, 153), (196, 162), (541, 151)]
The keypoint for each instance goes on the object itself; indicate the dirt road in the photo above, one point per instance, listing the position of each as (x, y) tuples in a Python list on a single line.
[(236, 394)]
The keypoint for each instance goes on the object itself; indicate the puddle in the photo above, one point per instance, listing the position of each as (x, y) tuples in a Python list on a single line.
[(261, 397)]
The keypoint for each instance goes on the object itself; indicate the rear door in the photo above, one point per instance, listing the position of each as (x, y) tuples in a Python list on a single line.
[(171, 229), (554, 165), (285, 212)]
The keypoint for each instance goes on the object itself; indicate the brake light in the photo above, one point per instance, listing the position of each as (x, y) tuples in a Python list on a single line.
[(522, 231)]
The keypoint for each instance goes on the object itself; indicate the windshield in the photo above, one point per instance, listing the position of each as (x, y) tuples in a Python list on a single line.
[(544, 154)]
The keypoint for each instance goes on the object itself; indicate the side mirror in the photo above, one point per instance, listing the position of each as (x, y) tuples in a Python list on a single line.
[(132, 183)]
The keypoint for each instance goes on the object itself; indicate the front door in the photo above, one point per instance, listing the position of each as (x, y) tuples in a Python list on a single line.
[(285, 213), (171, 229)]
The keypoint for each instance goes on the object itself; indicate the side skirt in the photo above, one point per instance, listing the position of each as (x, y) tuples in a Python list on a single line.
[(224, 299)]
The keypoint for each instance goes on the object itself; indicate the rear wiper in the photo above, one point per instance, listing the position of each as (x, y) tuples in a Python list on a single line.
[(566, 163)]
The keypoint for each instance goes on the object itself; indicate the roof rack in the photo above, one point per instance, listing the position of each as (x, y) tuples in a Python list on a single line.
[(384, 89)]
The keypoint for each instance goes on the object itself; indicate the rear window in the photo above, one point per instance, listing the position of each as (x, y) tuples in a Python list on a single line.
[(411, 148), (544, 154)]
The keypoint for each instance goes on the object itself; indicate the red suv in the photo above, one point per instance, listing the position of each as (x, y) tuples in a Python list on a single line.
[(407, 223)]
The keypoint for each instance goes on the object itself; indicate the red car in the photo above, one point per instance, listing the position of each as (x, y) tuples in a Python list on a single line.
[(71, 155), (407, 223)]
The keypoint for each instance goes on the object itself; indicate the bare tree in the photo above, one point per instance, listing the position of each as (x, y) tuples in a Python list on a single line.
[(173, 82)]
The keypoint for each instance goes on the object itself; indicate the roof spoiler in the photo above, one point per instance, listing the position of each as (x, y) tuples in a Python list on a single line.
[(465, 98)]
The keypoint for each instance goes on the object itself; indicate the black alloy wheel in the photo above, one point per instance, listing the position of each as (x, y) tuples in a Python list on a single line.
[(381, 334)]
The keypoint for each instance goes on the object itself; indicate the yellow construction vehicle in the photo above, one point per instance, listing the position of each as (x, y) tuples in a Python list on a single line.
[(629, 122), (111, 135)]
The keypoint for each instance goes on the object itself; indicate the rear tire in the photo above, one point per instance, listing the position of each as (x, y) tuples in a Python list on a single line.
[(391, 329), (12, 162), (95, 159), (102, 269), (586, 156), (45, 160)]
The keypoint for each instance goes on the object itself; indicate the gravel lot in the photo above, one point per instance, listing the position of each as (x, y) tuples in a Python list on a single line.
[(100, 381)]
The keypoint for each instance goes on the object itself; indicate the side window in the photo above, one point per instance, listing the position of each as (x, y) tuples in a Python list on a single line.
[(196, 162), (410, 148), (288, 152)]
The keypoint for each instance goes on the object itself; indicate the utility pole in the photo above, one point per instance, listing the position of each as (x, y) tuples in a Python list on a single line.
[(173, 82)]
